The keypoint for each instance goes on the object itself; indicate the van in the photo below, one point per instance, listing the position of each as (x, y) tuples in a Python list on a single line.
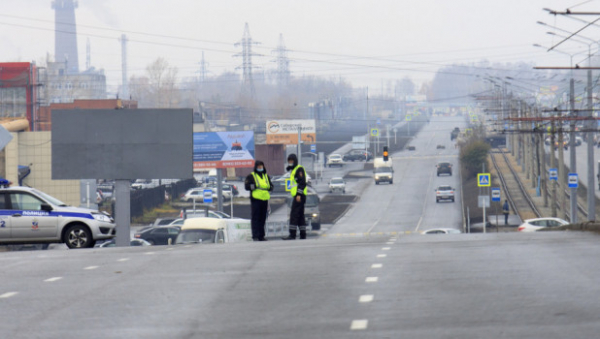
[(212, 230), (383, 171)]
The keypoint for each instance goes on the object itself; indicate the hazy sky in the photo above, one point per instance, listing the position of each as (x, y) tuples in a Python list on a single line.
[(366, 41)]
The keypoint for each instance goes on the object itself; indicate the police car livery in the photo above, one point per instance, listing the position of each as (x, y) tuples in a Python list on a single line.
[(29, 216)]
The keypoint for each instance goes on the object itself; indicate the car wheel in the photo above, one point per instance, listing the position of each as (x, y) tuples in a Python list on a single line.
[(78, 236), (316, 227), (438, 174), (391, 182)]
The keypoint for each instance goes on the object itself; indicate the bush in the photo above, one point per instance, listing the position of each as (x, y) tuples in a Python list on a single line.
[(472, 156)]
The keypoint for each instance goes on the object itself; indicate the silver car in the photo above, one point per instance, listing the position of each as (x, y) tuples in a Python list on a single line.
[(444, 192), (29, 216), (337, 184)]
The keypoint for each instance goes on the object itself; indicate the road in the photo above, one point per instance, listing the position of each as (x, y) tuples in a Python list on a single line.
[(409, 204), (457, 286)]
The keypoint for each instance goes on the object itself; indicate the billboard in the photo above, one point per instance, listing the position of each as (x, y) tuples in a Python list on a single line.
[(223, 150), (122, 144), (286, 131)]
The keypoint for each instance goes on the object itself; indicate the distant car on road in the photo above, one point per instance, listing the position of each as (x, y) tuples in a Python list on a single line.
[(412, 148), (441, 147), (358, 155), (197, 194), (532, 225), (134, 242), (444, 192), (337, 185), (442, 231), (444, 168), (159, 235), (335, 160)]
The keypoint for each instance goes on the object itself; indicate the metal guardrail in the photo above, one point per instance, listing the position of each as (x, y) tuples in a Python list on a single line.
[(518, 181)]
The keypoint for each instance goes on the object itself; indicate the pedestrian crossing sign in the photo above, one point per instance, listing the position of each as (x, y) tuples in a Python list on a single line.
[(374, 132), (288, 185), (483, 180)]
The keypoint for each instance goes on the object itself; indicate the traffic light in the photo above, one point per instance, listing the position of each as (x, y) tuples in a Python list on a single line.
[(385, 153)]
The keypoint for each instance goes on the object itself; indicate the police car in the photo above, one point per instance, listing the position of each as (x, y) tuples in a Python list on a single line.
[(29, 216)]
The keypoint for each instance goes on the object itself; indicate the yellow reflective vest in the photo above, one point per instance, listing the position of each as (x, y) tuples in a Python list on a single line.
[(261, 192), (294, 190)]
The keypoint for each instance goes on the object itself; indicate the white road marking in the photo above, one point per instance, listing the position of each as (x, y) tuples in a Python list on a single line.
[(149, 253), (381, 255), (374, 224), (91, 268), (426, 200), (376, 266), (123, 259), (385, 248), (367, 298), (187, 246), (53, 279), (8, 295), (359, 324), (389, 243), (372, 279), (169, 249)]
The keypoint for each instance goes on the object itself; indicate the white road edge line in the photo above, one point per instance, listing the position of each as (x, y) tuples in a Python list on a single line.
[(359, 324), (376, 266), (372, 279), (53, 279), (91, 268), (367, 298), (8, 295)]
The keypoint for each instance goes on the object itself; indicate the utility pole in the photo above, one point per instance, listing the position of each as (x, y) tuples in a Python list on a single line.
[(562, 173), (203, 69), (591, 196), (573, 153), (553, 165)]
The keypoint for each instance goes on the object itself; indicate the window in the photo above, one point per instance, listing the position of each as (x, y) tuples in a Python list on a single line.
[(3, 202), (160, 231), (83, 85), (69, 85), (25, 202), (173, 231)]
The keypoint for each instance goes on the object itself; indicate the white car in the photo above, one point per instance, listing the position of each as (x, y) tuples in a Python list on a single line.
[(335, 160), (444, 192), (337, 184), (198, 195), (532, 225), (441, 231), (287, 176), (29, 216)]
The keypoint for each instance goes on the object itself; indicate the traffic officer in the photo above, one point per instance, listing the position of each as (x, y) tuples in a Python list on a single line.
[(259, 184), (298, 191)]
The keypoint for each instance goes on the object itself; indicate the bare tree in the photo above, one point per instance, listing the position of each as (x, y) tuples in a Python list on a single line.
[(162, 84)]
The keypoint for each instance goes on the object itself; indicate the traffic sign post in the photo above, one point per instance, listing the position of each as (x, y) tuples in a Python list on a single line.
[(484, 202), (495, 194), (207, 196), (484, 180), (573, 180), (313, 148), (374, 132), (553, 174)]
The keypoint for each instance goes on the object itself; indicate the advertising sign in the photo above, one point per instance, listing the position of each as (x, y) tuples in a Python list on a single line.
[(286, 131), (224, 149)]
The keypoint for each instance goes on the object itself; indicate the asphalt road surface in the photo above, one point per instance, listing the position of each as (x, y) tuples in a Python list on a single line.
[(539, 285), (409, 203)]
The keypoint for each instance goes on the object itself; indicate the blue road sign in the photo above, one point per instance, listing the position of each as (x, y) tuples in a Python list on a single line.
[(573, 180), (207, 196), (495, 194), (483, 180), (374, 132), (378, 121), (553, 174), (313, 148)]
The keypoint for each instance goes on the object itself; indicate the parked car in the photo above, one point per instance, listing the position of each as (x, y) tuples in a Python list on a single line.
[(163, 221), (357, 155), (337, 185), (198, 195), (532, 225), (441, 231), (159, 235), (444, 168), (444, 192), (411, 148), (134, 242), (441, 147), (225, 187), (335, 160), (141, 184)]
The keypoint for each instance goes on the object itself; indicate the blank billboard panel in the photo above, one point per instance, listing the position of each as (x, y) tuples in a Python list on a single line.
[(122, 144)]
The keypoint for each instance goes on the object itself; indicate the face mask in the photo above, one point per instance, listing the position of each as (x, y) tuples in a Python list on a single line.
[(291, 164), (260, 169)]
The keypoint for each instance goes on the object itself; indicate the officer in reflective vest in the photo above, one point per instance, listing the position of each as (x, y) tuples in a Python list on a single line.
[(298, 191), (259, 184)]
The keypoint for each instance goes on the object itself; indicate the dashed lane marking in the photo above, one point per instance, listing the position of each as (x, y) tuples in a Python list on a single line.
[(149, 253), (385, 248), (367, 298), (366, 234), (169, 249), (123, 259), (8, 295), (376, 266), (381, 255), (371, 279), (91, 268), (359, 324), (53, 279)]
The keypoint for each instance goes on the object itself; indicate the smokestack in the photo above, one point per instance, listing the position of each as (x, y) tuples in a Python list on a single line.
[(65, 35)]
